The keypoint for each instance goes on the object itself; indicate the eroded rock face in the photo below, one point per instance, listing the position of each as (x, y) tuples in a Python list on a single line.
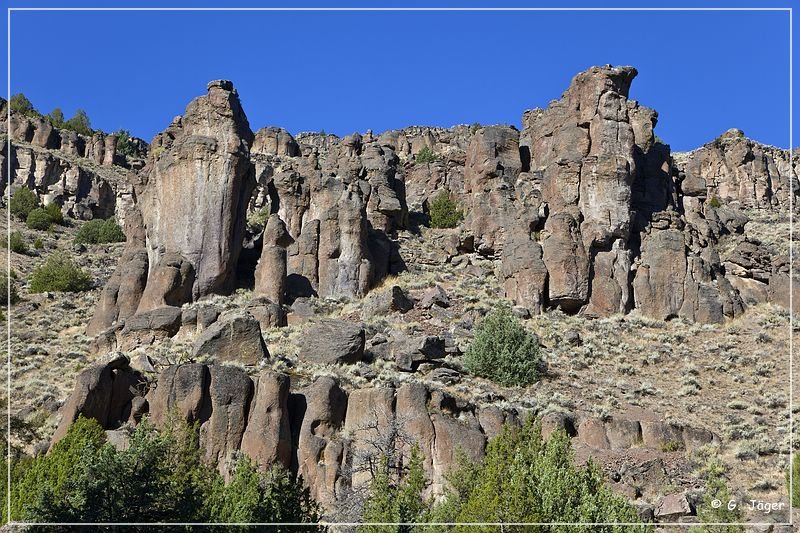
[(330, 435), (736, 170), (196, 187)]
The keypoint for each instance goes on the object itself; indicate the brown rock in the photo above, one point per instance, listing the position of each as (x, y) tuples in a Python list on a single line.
[(235, 336), (230, 391), (203, 156), (268, 437), (182, 388), (333, 342)]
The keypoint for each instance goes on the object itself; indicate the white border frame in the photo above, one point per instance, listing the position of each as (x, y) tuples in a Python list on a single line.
[(788, 10)]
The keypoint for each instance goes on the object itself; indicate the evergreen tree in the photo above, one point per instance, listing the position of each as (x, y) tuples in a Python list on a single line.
[(56, 117), (525, 479), (397, 501)]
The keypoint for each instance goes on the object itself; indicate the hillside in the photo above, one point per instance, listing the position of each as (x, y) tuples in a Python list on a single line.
[(290, 295)]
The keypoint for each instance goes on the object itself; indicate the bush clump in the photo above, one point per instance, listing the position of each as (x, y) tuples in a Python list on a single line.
[(527, 479), (160, 477), (39, 219), (53, 210), (60, 274), (425, 155), (444, 211), (795, 493), (23, 201), (99, 231), (18, 244), (714, 202), (504, 351), (7, 295)]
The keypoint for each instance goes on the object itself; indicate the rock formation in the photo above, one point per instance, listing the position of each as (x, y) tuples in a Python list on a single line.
[(327, 434)]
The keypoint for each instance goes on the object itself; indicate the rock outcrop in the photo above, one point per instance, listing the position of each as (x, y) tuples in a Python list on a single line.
[(194, 194), (736, 170), (330, 435)]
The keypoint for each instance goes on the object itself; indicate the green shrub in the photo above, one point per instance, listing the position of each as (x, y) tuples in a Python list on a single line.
[(79, 123), (7, 296), (60, 274), (524, 478), (714, 202), (23, 202), (39, 219), (795, 494), (100, 231), (124, 145), (159, 477), (54, 212), (258, 218), (38, 244), (20, 103), (425, 155), (396, 500), (56, 118), (444, 211), (253, 496), (717, 489), (18, 244), (503, 350)]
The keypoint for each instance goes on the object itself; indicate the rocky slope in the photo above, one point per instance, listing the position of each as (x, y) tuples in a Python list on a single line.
[(284, 293)]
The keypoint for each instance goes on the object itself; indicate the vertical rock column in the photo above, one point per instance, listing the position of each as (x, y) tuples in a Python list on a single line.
[(271, 270)]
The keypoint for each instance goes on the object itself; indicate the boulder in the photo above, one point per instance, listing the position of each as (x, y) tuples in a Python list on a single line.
[(235, 336), (333, 342), (318, 415), (434, 296), (272, 266), (182, 389), (382, 302)]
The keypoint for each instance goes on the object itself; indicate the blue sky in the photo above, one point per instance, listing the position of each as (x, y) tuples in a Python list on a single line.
[(704, 72)]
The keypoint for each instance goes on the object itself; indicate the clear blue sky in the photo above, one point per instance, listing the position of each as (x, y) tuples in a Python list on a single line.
[(704, 72)]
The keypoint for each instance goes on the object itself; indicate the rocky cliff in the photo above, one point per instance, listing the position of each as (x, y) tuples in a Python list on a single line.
[(241, 242)]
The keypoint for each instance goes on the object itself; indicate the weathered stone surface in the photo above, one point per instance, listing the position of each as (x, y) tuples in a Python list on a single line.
[(268, 437), (182, 388), (103, 392), (382, 302), (567, 262), (272, 266), (737, 170), (524, 272), (143, 329), (230, 391), (203, 155), (122, 293), (90, 398), (333, 341), (318, 415), (408, 351), (235, 336), (673, 506), (659, 282), (436, 295), (169, 283), (492, 167), (370, 419)]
